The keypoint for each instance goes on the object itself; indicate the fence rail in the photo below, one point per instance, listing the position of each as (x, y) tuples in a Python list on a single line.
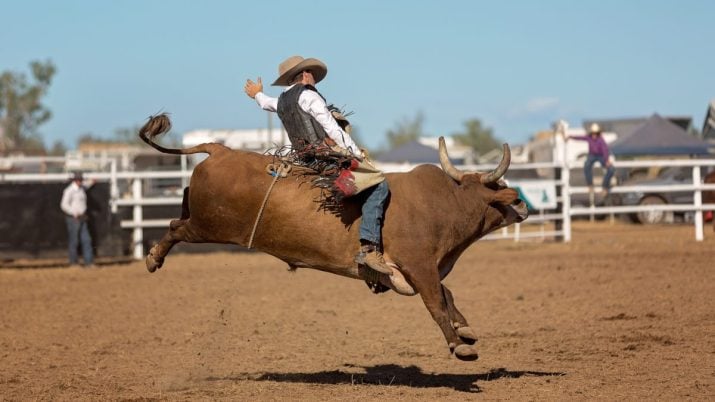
[(560, 217)]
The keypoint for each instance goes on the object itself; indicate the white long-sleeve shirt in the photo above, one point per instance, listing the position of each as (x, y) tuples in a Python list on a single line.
[(312, 103), (74, 200)]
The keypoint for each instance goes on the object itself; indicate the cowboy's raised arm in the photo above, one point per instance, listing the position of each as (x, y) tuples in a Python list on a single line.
[(254, 90)]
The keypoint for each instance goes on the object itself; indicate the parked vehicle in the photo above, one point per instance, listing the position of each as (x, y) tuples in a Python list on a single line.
[(667, 176)]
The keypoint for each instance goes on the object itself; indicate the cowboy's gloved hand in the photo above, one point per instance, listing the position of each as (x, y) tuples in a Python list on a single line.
[(252, 88)]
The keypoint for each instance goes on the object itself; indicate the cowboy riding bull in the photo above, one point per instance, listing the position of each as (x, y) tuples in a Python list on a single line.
[(431, 217)]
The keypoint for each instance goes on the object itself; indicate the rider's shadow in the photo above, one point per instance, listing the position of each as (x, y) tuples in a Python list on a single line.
[(391, 374)]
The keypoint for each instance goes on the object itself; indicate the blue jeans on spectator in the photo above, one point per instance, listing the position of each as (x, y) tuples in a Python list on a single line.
[(78, 232), (372, 213), (588, 170)]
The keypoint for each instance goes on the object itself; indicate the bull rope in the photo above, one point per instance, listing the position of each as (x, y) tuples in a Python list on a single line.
[(277, 172)]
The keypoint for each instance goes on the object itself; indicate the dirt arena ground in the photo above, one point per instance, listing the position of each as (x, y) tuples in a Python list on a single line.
[(624, 312)]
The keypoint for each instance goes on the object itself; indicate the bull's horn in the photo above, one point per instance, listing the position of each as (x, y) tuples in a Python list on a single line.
[(500, 170), (447, 166)]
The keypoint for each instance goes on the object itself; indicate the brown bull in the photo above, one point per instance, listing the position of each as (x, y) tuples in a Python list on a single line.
[(431, 218), (709, 196)]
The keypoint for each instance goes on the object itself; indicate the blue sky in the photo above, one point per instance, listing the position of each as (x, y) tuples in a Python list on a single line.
[(517, 65)]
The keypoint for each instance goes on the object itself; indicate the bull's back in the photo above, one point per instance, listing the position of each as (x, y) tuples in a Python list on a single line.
[(227, 194), (222, 194)]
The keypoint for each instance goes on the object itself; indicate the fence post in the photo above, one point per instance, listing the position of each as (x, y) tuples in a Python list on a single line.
[(566, 199), (562, 176), (138, 235), (113, 187), (698, 203)]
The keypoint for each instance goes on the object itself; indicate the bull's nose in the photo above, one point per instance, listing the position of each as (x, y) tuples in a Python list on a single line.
[(521, 209)]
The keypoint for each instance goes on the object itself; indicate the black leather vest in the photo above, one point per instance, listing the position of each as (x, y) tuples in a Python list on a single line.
[(302, 128)]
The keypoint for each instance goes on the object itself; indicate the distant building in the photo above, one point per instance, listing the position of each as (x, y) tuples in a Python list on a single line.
[(624, 127), (97, 155), (659, 137)]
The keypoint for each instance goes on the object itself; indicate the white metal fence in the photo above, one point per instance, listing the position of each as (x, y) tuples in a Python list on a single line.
[(559, 218), (565, 211), (696, 186)]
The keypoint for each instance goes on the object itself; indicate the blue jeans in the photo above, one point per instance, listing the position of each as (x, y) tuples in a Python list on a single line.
[(372, 212), (588, 170), (78, 232)]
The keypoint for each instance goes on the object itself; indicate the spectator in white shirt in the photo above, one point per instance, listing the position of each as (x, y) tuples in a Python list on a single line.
[(74, 205)]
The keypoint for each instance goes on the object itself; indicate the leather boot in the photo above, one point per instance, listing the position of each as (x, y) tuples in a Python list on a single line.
[(373, 259)]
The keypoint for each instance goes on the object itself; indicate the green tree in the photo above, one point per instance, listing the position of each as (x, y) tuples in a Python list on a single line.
[(477, 136), (21, 108), (405, 131), (58, 149), (120, 135), (89, 137)]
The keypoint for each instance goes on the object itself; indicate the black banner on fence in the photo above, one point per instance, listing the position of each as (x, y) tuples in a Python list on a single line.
[(32, 224)]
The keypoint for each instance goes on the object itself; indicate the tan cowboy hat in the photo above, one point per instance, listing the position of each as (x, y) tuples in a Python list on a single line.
[(296, 64), (594, 128)]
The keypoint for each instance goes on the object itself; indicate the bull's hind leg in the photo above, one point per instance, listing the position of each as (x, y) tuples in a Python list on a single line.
[(177, 232), (458, 321), (434, 298)]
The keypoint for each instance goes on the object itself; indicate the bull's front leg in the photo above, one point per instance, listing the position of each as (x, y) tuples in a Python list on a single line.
[(427, 284), (458, 321)]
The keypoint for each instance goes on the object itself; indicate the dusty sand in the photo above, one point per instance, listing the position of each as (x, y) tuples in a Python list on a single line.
[(623, 312)]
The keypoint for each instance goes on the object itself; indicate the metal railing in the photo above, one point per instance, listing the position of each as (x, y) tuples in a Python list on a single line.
[(697, 187), (560, 217)]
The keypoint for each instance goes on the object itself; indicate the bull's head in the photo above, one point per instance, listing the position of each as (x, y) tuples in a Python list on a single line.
[(505, 207)]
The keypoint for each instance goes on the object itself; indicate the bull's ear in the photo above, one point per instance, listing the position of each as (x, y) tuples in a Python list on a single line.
[(505, 196)]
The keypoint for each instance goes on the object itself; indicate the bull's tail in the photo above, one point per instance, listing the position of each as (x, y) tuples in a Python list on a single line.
[(161, 124)]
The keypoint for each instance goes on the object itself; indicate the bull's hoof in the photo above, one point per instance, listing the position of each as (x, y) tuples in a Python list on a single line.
[(467, 335), (151, 263), (466, 353)]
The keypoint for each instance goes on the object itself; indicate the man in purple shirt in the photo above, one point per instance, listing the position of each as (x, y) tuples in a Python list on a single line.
[(597, 152)]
